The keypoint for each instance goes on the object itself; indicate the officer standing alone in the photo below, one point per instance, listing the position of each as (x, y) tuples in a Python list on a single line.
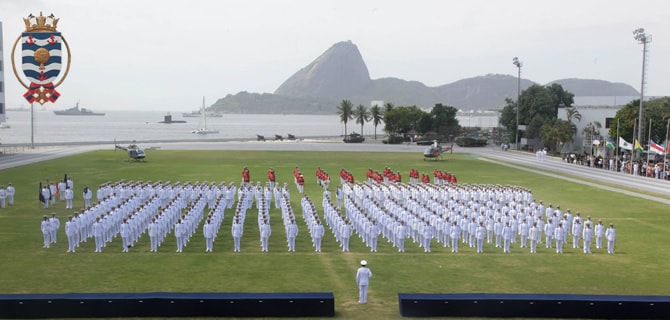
[(363, 276)]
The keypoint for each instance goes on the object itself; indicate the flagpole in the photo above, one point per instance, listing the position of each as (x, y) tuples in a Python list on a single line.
[(665, 154), (32, 126), (616, 159), (649, 142), (632, 151)]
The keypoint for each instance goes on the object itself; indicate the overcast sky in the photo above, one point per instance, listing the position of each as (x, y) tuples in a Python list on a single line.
[(167, 55)]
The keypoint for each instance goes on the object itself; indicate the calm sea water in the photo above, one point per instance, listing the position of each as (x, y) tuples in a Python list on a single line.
[(145, 126)]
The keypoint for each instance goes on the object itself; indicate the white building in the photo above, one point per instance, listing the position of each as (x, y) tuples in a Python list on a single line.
[(594, 109), (379, 103)]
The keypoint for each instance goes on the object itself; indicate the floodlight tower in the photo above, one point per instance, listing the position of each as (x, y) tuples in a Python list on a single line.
[(518, 65), (642, 38)]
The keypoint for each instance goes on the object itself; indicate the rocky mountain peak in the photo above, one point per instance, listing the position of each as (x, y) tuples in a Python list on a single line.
[(339, 73)]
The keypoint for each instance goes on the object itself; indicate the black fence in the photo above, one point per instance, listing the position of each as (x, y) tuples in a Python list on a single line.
[(165, 304), (534, 306)]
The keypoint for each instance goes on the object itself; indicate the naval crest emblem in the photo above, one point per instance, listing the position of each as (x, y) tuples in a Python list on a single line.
[(41, 58)]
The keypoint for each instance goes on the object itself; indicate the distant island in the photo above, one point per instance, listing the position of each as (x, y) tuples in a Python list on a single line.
[(341, 73)]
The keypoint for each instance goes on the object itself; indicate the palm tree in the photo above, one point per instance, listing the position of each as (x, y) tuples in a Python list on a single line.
[(345, 111), (572, 113), (592, 130), (388, 107), (362, 115), (376, 116)]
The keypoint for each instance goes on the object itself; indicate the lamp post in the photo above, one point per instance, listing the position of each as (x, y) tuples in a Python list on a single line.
[(518, 65), (642, 38)]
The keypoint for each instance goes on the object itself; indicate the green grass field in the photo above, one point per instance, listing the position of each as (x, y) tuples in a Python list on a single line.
[(639, 267)]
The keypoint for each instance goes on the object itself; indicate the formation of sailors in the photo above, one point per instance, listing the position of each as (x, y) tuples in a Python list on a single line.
[(449, 214), (299, 179), (264, 227), (129, 209), (322, 178), (338, 223), (469, 214), (288, 218), (237, 228), (313, 222), (346, 177), (49, 227)]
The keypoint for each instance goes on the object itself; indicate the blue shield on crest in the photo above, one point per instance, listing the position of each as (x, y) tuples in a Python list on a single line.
[(41, 57)]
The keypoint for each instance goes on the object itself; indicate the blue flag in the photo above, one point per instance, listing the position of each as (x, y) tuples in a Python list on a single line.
[(41, 196)]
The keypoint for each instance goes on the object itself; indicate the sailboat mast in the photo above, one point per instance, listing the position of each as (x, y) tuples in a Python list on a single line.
[(202, 114)]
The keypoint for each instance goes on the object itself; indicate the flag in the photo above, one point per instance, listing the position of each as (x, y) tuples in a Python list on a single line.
[(49, 189), (625, 144), (41, 196), (609, 143), (656, 148), (638, 146)]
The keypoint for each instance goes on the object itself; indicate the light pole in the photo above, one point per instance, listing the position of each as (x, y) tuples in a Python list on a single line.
[(642, 38), (518, 65)]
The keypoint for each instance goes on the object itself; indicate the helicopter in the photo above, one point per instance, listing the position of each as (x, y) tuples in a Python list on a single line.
[(435, 150), (134, 152)]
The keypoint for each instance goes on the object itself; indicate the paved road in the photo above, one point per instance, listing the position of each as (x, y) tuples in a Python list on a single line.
[(553, 167), (38, 154), (556, 168)]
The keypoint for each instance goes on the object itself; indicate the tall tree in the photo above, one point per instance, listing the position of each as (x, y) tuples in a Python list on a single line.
[(401, 120), (345, 111), (444, 120), (388, 107), (376, 116), (508, 118), (555, 133), (362, 115), (562, 98), (537, 105), (425, 123), (658, 110)]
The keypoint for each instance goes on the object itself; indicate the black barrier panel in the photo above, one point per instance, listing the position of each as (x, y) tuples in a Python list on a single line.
[(534, 306), (165, 304)]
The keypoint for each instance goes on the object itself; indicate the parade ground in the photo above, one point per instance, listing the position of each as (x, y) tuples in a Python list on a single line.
[(636, 206)]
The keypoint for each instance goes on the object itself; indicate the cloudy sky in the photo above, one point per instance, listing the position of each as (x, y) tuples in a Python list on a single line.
[(167, 55)]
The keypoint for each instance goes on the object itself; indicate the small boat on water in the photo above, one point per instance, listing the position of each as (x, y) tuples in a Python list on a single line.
[(204, 131), (203, 122), (76, 111), (196, 114)]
